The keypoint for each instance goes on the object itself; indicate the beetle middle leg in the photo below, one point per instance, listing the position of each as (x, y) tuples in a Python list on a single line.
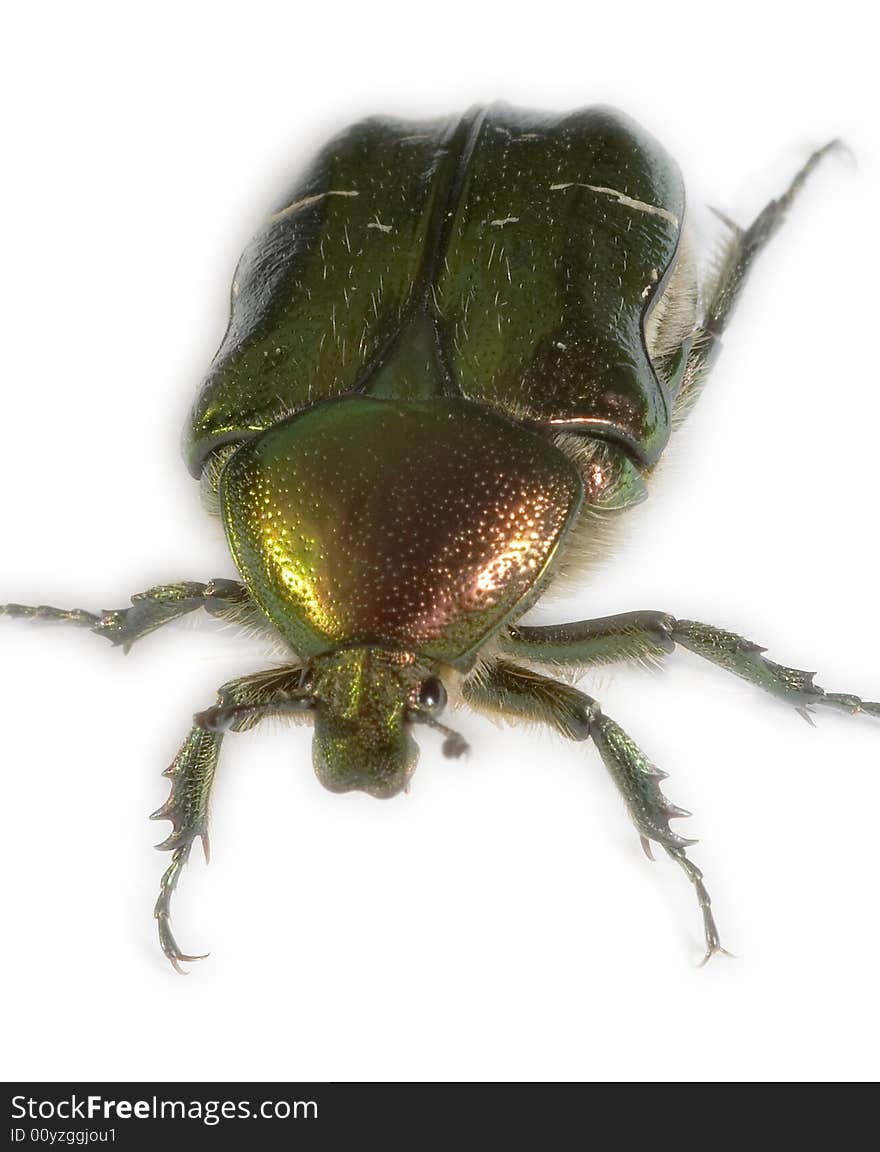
[(149, 610), (508, 690), (240, 705), (649, 635)]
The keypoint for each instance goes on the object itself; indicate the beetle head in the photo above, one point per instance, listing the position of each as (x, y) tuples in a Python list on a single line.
[(366, 700)]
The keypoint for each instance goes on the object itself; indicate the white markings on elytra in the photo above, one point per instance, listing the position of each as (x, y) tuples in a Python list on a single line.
[(655, 276), (379, 226), (505, 220), (307, 200), (621, 198)]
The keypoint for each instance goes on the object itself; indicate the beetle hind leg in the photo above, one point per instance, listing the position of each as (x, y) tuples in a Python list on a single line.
[(747, 243), (725, 285), (514, 692)]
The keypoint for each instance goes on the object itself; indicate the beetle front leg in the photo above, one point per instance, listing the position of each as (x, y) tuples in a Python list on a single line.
[(149, 610), (648, 635), (192, 771), (513, 692), (192, 775)]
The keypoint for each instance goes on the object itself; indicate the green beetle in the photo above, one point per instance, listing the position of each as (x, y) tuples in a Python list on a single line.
[(456, 350)]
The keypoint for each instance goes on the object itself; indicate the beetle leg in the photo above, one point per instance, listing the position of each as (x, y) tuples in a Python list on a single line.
[(747, 660), (222, 717), (644, 637), (76, 616), (519, 693), (722, 293), (748, 242), (192, 776), (649, 635), (151, 609)]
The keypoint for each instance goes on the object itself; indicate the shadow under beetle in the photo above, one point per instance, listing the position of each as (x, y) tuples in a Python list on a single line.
[(455, 350)]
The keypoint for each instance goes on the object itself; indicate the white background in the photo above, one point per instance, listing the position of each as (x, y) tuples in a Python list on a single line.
[(500, 922)]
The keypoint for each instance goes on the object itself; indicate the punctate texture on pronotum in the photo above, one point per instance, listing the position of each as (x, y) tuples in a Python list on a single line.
[(456, 350)]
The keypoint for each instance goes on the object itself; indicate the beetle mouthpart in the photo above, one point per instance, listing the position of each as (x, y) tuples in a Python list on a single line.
[(360, 758), (366, 779), (362, 741)]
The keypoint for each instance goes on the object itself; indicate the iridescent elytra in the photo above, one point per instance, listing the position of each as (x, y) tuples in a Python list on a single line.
[(457, 348)]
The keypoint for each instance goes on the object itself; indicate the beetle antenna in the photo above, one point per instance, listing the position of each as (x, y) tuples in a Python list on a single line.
[(454, 744)]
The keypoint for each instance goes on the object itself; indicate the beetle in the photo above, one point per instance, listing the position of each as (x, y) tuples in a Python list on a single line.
[(456, 349)]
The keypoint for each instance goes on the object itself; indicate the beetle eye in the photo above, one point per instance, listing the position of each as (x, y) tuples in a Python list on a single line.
[(431, 696)]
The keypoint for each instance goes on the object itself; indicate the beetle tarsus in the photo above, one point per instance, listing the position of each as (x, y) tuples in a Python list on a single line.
[(710, 928), (747, 660), (162, 912), (851, 705), (76, 616)]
